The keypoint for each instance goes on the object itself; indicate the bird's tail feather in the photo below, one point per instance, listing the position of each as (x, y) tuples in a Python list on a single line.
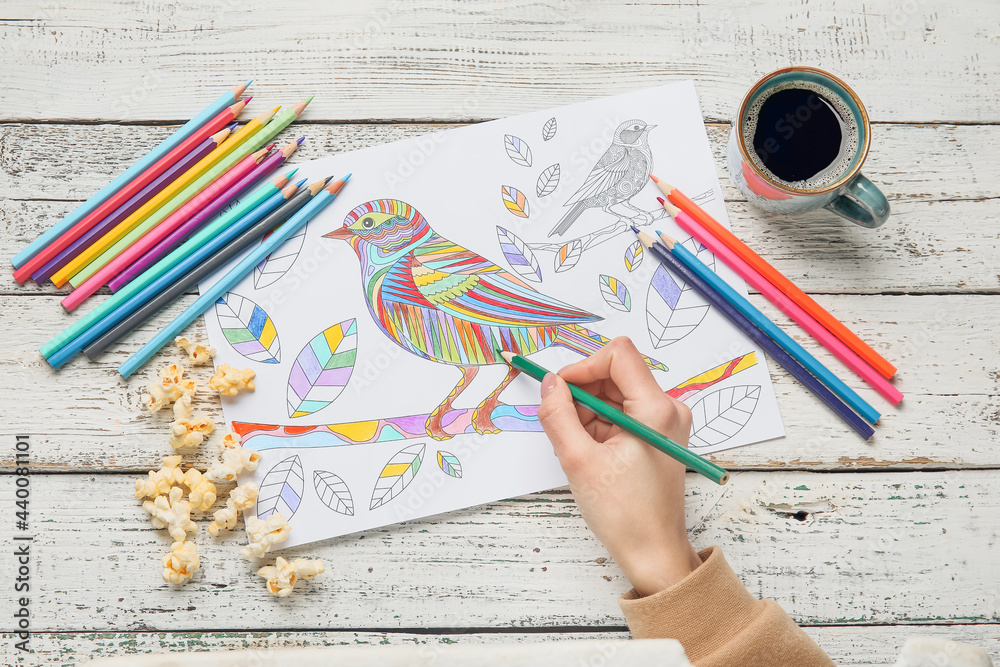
[(568, 219), (586, 342)]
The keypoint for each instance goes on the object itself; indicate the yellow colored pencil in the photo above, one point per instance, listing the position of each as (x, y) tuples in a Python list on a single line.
[(232, 142)]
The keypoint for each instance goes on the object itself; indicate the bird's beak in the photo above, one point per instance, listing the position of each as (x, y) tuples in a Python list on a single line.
[(343, 233), (650, 127)]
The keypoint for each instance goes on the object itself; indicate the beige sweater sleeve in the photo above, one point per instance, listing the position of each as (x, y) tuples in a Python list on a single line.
[(719, 623)]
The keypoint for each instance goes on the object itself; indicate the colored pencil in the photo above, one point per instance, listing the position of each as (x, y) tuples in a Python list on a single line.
[(54, 232), (227, 282), (191, 271), (94, 218), (157, 208), (207, 202), (786, 305), (741, 322), (187, 228), (180, 275), (216, 229), (625, 422), (129, 207), (773, 276)]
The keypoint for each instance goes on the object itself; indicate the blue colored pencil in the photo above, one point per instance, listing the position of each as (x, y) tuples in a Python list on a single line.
[(228, 98), (671, 256), (237, 273)]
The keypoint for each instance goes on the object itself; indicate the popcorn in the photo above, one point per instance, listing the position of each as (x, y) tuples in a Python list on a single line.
[(173, 513), (198, 355), (189, 432), (228, 380), (181, 563), (170, 388), (160, 481), (234, 461), (201, 492), (281, 576), (264, 535), (240, 499), (231, 440)]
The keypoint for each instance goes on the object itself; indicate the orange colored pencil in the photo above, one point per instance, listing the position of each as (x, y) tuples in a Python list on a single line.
[(773, 276)]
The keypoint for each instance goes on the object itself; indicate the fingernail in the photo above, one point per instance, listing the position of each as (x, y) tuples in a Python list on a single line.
[(548, 384)]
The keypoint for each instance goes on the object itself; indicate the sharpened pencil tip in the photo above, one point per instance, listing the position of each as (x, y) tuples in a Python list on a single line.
[(232, 126), (275, 109), (299, 184), (661, 200), (654, 178), (346, 178), (634, 228), (247, 84), (310, 99), (291, 173), (300, 140), (247, 100)]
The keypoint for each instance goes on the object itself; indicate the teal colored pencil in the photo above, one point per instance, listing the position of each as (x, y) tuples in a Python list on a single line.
[(626, 422), (773, 331), (167, 145), (237, 273)]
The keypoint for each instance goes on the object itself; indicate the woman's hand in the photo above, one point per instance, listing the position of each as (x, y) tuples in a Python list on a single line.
[(630, 494)]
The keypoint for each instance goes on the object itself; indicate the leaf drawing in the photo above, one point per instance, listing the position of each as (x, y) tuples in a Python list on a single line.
[(517, 150), (322, 369), (633, 256), (548, 180), (673, 309), (333, 492), (615, 293), (449, 464), (720, 415), (397, 474), (281, 489), (549, 129), (519, 256), (271, 268), (515, 201), (568, 255), (248, 328)]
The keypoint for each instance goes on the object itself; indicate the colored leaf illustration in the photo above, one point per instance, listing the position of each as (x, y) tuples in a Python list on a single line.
[(615, 293), (519, 256), (549, 129), (333, 492), (275, 265), (515, 201), (568, 255), (633, 256), (248, 328), (397, 474), (322, 369), (673, 309), (548, 181), (517, 150), (719, 416), (281, 489), (449, 464)]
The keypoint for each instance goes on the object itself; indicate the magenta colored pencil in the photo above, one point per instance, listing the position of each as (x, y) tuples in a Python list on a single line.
[(177, 236), (126, 209)]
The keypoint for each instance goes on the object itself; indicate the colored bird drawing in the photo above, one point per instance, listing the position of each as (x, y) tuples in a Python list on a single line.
[(447, 304), (618, 176)]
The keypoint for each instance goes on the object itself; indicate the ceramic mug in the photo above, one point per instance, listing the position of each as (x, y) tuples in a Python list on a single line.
[(849, 195)]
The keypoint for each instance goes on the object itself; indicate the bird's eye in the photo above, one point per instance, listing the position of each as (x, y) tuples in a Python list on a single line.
[(368, 223), (636, 127)]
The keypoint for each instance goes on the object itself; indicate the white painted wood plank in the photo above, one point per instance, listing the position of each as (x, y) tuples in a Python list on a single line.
[(873, 548), (439, 60), (946, 347), (859, 646)]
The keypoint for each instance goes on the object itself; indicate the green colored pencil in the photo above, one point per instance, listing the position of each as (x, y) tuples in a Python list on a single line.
[(625, 422)]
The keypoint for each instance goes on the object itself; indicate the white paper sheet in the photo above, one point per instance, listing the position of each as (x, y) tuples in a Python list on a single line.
[(324, 483)]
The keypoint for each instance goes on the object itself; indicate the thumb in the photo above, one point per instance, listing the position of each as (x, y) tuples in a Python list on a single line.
[(558, 416)]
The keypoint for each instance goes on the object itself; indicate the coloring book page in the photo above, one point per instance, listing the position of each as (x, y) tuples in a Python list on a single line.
[(373, 331)]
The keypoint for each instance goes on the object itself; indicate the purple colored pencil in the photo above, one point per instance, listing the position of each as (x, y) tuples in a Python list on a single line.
[(176, 237), (126, 209)]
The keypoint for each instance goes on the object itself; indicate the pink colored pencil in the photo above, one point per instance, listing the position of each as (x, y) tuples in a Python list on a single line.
[(160, 231), (176, 237), (127, 208), (785, 304)]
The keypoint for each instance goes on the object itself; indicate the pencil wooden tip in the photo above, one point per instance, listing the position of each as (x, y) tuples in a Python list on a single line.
[(237, 108), (261, 154), (337, 185), (507, 356), (300, 107), (238, 90), (289, 190), (645, 239), (314, 188), (668, 241), (289, 148), (267, 115), (669, 206), (221, 135)]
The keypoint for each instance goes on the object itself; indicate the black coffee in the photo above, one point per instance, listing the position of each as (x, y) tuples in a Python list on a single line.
[(802, 133)]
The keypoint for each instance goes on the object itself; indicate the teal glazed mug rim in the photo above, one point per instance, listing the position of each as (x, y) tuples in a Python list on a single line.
[(864, 126)]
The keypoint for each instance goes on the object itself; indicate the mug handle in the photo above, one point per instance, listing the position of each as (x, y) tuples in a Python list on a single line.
[(862, 203)]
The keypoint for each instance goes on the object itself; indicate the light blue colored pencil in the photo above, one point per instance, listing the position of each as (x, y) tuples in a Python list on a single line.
[(215, 108), (236, 274), (775, 332)]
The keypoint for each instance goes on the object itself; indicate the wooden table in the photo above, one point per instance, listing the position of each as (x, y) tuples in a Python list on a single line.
[(864, 544)]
